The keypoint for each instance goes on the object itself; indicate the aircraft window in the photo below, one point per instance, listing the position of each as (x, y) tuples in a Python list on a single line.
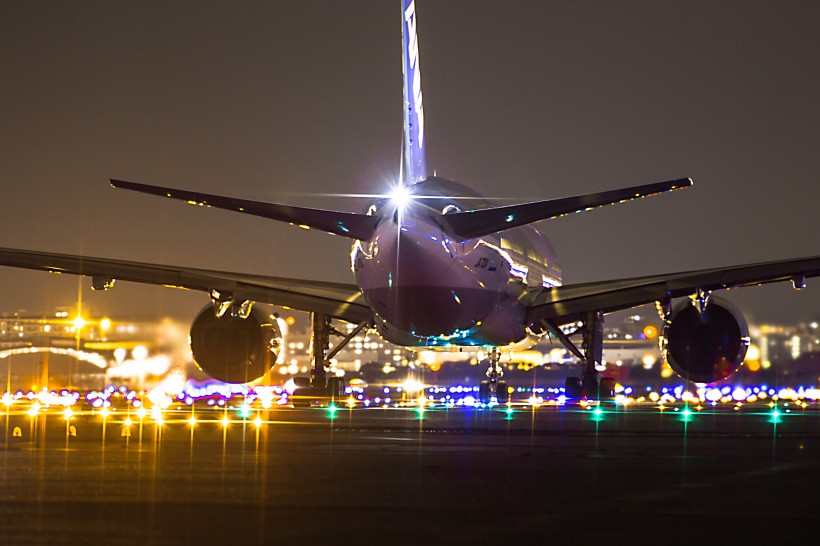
[(506, 244), (535, 257)]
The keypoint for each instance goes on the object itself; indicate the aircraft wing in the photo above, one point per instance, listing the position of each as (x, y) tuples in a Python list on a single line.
[(564, 304), (339, 300)]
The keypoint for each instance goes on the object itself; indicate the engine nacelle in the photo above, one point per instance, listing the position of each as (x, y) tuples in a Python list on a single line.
[(707, 346), (234, 349)]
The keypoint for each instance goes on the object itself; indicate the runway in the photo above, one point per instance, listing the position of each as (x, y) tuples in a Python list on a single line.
[(453, 475)]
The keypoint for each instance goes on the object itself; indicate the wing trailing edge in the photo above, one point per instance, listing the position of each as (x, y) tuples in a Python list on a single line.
[(346, 224), (339, 300), (478, 223), (567, 303)]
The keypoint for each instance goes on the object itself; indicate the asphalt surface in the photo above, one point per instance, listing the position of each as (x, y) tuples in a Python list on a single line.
[(453, 476)]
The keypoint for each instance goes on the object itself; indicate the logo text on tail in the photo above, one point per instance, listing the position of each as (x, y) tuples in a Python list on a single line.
[(413, 54)]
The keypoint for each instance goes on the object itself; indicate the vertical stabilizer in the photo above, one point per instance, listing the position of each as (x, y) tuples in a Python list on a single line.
[(415, 167)]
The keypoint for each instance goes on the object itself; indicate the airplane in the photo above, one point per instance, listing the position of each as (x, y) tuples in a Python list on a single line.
[(438, 266)]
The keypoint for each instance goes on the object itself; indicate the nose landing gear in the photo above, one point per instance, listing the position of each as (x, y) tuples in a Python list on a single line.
[(494, 387)]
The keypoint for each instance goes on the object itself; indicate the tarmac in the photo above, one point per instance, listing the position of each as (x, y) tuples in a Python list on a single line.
[(399, 476)]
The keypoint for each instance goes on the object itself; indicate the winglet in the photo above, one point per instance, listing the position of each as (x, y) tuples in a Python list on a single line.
[(477, 223), (346, 224)]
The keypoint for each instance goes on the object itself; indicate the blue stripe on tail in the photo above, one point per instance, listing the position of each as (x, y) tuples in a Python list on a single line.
[(414, 161)]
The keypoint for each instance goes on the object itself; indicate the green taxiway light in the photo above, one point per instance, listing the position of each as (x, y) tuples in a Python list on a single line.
[(331, 411)]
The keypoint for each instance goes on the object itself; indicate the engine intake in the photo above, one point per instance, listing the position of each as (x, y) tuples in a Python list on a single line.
[(234, 349), (707, 346)]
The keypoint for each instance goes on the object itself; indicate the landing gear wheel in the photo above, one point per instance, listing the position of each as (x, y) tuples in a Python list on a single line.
[(301, 397), (573, 387), (502, 393), (336, 388), (606, 389), (484, 392), (589, 388)]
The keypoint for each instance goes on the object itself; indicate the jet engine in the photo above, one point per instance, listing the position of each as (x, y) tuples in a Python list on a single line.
[(234, 349), (705, 346)]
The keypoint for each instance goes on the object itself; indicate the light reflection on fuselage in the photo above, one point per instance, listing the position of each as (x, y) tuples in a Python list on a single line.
[(433, 291)]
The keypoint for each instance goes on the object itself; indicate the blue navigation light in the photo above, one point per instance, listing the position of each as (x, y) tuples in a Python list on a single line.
[(510, 218)]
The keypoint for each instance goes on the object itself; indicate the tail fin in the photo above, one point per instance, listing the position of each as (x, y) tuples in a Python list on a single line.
[(415, 167)]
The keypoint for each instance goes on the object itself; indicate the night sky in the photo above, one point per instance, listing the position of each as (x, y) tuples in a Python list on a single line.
[(285, 101)]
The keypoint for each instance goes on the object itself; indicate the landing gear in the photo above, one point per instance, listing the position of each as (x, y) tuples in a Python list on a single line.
[(606, 388), (485, 395), (493, 387), (319, 387), (502, 392), (591, 355), (592, 345), (594, 389), (573, 387)]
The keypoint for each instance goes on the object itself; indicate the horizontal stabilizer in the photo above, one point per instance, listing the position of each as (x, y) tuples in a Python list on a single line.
[(477, 223), (346, 224)]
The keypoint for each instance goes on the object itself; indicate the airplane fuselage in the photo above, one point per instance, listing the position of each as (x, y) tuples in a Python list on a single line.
[(429, 289)]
